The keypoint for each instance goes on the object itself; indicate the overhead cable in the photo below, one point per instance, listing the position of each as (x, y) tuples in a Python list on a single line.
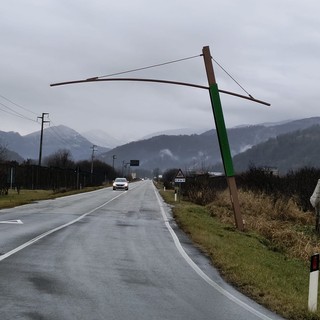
[(147, 67), (15, 113), (232, 77), (18, 105)]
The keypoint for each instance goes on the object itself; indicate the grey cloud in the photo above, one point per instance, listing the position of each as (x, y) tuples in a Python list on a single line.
[(271, 48)]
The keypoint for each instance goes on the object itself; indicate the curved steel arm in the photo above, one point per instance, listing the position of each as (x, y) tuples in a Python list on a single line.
[(158, 81)]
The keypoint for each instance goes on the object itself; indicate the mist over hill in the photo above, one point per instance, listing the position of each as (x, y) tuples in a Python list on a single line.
[(285, 152), (199, 151), (250, 144), (102, 138)]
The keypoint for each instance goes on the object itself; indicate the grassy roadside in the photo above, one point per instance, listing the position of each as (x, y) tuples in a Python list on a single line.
[(14, 199), (246, 260)]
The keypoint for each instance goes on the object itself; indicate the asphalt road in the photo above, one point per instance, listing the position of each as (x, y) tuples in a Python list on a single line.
[(109, 255)]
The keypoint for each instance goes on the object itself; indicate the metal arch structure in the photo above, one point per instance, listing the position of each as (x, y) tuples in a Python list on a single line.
[(186, 84), (218, 118)]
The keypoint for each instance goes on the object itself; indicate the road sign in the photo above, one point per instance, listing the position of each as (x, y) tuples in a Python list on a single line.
[(180, 174), (134, 163), (180, 177)]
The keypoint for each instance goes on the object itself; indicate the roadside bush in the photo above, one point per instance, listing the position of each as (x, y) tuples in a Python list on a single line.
[(168, 178), (201, 195), (202, 189), (296, 185), (259, 180), (285, 227), (301, 184)]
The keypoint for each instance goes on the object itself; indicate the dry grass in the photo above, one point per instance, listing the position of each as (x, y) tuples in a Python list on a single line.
[(280, 221)]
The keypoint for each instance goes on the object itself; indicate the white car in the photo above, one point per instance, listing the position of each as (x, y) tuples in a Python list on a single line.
[(121, 184)]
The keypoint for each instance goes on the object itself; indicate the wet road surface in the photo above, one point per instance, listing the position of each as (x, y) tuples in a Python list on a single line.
[(109, 255)]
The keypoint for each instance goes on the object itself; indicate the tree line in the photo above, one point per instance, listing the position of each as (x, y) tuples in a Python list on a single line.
[(58, 171), (297, 185)]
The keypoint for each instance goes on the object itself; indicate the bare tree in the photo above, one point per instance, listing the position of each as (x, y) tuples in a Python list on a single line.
[(3, 152), (62, 159)]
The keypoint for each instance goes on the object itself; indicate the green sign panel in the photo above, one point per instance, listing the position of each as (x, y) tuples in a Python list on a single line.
[(134, 163)]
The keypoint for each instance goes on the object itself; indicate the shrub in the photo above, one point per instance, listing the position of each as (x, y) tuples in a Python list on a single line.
[(201, 189), (297, 185), (201, 195), (284, 226), (168, 178)]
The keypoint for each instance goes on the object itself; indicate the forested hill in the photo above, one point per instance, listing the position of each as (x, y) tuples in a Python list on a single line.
[(199, 151), (286, 152)]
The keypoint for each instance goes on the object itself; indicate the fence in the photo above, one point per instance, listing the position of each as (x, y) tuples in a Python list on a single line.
[(37, 177)]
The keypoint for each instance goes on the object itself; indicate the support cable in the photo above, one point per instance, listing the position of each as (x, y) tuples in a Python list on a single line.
[(222, 68), (144, 68)]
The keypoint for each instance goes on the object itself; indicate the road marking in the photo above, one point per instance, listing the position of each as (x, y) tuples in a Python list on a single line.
[(195, 267), (12, 222), (43, 235)]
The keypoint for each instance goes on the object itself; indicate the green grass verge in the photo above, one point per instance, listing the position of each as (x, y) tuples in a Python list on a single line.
[(244, 260)]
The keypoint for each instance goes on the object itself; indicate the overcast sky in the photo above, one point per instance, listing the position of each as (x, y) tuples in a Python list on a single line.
[(270, 47)]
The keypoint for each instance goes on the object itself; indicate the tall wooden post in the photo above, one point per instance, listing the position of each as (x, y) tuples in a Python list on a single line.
[(222, 136), (41, 136)]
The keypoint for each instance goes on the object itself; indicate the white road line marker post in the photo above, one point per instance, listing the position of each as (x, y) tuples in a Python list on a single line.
[(313, 283)]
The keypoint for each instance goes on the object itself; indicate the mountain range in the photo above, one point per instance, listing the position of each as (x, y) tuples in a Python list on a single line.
[(54, 138), (286, 145), (201, 151)]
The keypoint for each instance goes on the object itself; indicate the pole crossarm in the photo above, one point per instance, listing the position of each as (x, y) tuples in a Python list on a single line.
[(159, 81)]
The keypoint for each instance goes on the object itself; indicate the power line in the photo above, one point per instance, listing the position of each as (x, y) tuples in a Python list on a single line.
[(18, 105), (15, 113), (147, 67)]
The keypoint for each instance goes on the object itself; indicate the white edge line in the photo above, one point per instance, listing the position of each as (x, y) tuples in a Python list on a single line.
[(41, 236), (195, 267)]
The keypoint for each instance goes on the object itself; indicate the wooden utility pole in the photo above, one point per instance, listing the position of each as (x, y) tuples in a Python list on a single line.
[(92, 158), (222, 136), (41, 136)]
